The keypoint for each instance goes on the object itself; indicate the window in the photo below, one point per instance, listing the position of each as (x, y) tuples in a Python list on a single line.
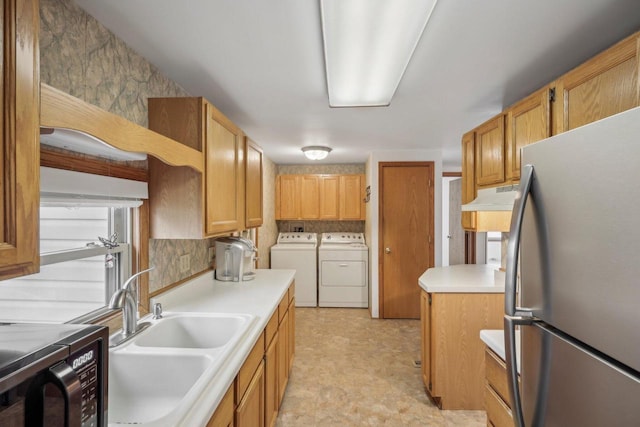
[(494, 248), (78, 273)]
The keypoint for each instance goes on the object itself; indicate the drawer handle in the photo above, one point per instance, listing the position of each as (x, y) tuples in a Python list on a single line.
[(344, 265)]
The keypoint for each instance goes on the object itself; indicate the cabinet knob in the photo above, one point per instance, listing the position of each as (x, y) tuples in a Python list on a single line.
[(387, 250)]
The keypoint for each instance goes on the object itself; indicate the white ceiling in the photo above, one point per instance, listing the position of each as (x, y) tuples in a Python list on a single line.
[(261, 63)]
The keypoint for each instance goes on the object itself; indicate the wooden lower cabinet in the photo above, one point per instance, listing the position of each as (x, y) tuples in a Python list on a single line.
[(250, 410), (452, 352), (496, 392), (256, 395), (223, 417), (271, 396), (283, 356), (291, 345)]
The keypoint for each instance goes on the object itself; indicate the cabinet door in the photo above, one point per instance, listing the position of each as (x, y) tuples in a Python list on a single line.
[(309, 197), (19, 143), (468, 179), (605, 85), (283, 362), (329, 196), (490, 157), (271, 395), (352, 197), (425, 330), (528, 121), (253, 185), (250, 410), (291, 345), (287, 197), (224, 172), (223, 417)]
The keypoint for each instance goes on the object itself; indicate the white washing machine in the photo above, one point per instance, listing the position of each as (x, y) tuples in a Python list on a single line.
[(299, 251), (343, 270)]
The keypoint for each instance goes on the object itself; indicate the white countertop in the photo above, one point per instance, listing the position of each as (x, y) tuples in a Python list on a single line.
[(259, 297), (463, 278), (494, 339)]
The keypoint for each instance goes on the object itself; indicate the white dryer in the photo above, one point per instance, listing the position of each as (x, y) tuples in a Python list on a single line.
[(299, 251), (343, 270)]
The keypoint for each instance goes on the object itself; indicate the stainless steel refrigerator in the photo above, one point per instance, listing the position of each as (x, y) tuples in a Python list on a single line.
[(576, 229)]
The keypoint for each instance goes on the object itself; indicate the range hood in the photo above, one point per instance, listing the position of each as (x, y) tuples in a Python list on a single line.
[(493, 199), (81, 142)]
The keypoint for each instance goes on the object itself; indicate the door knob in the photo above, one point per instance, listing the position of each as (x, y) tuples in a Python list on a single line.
[(387, 250)]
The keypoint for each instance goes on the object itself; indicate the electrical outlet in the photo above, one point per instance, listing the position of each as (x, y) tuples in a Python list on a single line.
[(185, 263), (212, 253)]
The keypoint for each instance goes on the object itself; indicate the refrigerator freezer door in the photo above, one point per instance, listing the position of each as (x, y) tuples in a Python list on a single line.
[(580, 243), (575, 387)]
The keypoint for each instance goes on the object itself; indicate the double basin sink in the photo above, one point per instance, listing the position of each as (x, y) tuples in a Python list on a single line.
[(155, 377)]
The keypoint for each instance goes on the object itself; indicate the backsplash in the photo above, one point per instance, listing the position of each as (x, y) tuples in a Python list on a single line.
[(322, 226)]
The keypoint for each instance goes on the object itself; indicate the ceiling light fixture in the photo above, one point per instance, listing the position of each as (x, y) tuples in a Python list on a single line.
[(316, 152), (367, 47)]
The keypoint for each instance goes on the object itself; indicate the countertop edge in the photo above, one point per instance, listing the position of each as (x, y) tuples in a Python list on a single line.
[(463, 278)]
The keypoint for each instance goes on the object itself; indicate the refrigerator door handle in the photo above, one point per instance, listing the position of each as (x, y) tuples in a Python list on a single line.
[(517, 216), (510, 324)]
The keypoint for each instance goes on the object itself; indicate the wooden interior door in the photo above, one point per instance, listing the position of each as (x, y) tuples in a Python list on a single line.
[(407, 230)]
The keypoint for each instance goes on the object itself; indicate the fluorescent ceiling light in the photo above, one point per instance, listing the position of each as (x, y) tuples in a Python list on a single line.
[(368, 45), (316, 152)]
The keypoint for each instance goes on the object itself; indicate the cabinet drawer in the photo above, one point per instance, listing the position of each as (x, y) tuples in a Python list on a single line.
[(292, 292), (496, 373), (498, 413), (271, 329), (249, 368), (282, 307)]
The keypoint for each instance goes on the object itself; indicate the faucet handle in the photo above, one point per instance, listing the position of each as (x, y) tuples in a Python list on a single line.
[(157, 311)]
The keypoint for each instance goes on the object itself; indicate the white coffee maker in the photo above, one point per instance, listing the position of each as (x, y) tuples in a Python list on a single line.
[(235, 258)]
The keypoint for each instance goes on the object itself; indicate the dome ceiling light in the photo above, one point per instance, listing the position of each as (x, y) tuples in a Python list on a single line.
[(316, 152)]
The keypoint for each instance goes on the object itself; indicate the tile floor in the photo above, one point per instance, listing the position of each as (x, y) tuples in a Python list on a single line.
[(351, 370)]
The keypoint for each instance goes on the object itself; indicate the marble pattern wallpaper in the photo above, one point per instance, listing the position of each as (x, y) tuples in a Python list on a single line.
[(79, 56)]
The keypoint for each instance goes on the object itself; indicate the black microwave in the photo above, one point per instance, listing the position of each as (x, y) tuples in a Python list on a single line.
[(53, 375)]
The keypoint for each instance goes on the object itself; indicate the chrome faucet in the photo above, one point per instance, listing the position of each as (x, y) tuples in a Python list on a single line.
[(124, 298)]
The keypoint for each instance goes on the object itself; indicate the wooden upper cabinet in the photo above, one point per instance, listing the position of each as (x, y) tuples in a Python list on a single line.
[(605, 85), (224, 172), (329, 197), (490, 152), (528, 121), (352, 197), (468, 179), (309, 197), (287, 197), (320, 197), (185, 204), (253, 184), (20, 140)]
